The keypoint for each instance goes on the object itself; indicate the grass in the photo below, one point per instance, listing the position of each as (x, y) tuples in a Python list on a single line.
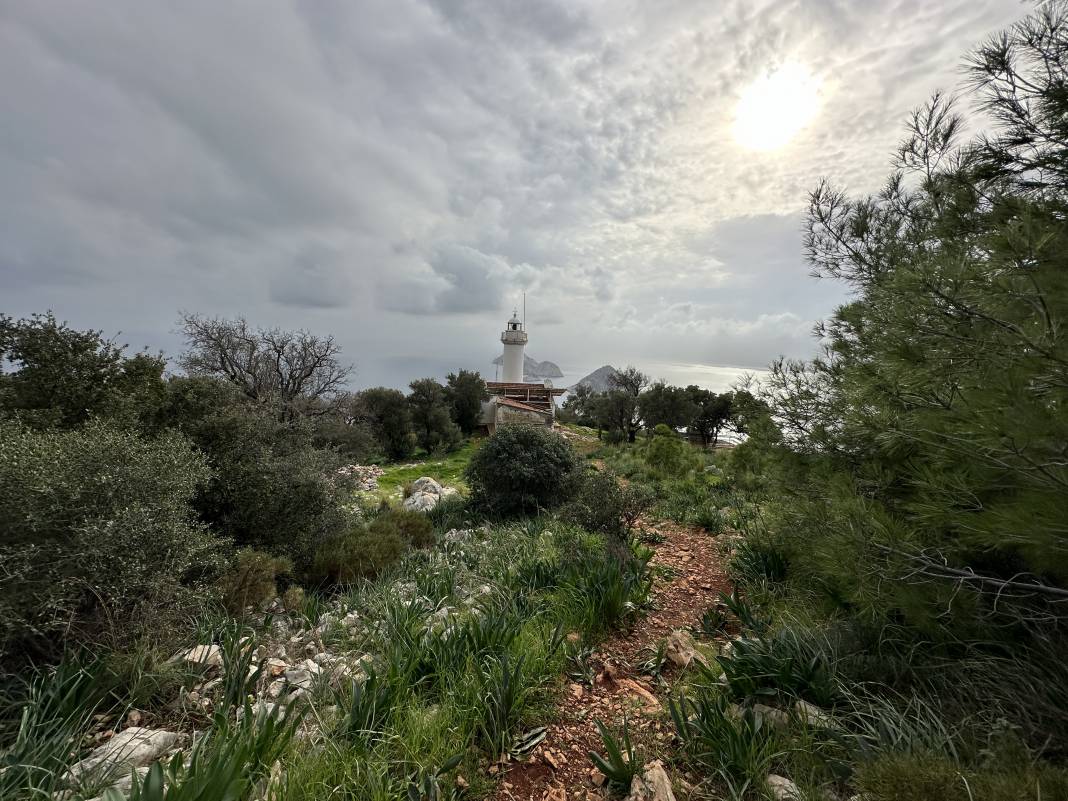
[(463, 648), (469, 653), (447, 470)]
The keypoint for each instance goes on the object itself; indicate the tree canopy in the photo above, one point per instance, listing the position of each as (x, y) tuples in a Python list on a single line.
[(289, 371)]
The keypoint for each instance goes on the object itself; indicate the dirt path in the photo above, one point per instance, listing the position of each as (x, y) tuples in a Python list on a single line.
[(560, 768)]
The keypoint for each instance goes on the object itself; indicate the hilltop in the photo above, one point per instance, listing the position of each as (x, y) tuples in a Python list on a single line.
[(533, 369), (598, 380)]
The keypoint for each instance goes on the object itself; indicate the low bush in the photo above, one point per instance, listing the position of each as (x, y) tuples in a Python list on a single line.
[(293, 598), (451, 512), (921, 777), (412, 527), (252, 580), (272, 489), (368, 707), (709, 517), (603, 505), (229, 762), (357, 554), (669, 455), (621, 763), (43, 726), (521, 469), (97, 536)]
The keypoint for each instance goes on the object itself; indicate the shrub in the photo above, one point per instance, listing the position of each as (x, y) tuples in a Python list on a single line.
[(522, 469), (252, 579), (452, 511), (63, 377), (293, 598), (709, 517), (431, 419), (357, 554), (670, 455), (273, 490), (602, 504), (412, 527), (96, 530)]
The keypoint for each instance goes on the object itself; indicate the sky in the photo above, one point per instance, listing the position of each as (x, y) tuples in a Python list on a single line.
[(398, 172)]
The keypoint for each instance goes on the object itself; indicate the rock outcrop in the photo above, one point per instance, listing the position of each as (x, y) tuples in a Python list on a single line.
[(203, 657), (598, 380), (426, 494), (682, 650), (653, 785), (128, 750), (782, 789), (365, 476), (534, 371)]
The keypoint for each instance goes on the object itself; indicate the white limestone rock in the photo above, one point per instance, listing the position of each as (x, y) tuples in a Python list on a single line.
[(261, 709), (653, 785), (782, 789), (426, 484), (814, 716), (131, 748), (201, 656), (420, 502), (681, 649)]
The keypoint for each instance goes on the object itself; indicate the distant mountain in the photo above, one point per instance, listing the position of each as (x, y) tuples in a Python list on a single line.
[(598, 379), (533, 370)]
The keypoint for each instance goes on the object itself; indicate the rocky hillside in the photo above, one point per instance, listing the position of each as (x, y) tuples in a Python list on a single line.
[(597, 380), (533, 370)]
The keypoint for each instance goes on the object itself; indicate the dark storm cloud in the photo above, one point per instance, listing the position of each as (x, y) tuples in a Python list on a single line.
[(397, 172)]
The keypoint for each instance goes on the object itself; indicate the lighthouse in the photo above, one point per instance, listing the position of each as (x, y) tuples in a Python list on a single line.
[(513, 400), (514, 339)]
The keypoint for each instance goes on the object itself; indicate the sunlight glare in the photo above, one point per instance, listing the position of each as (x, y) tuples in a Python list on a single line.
[(774, 108)]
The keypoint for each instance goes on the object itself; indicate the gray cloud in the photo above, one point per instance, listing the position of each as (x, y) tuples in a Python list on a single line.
[(397, 172)]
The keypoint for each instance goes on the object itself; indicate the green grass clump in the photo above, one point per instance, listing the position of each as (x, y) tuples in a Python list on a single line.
[(447, 470), (735, 745)]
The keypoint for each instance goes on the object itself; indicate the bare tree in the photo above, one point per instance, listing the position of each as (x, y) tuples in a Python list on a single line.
[(295, 371)]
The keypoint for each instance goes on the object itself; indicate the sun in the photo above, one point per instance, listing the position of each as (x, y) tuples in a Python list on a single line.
[(773, 109)]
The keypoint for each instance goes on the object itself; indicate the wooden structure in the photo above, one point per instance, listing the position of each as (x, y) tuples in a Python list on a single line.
[(520, 402)]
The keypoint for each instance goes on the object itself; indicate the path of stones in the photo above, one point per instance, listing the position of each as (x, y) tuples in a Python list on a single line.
[(560, 768)]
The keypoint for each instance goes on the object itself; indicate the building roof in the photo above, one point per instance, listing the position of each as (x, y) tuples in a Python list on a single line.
[(534, 388)]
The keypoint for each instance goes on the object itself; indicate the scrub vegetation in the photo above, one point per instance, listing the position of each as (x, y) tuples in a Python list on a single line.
[(863, 595)]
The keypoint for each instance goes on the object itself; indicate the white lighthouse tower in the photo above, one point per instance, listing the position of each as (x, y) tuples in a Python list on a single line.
[(514, 339)]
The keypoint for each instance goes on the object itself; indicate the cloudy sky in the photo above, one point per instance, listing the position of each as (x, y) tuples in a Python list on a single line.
[(397, 172)]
